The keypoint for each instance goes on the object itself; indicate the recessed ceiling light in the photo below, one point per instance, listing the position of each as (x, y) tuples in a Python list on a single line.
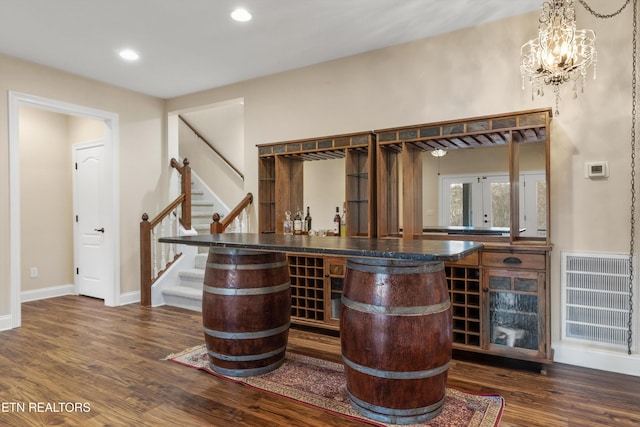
[(129, 55), (241, 15)]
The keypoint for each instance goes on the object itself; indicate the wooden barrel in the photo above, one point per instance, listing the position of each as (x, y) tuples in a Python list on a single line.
[(246, 308), (395, 330)]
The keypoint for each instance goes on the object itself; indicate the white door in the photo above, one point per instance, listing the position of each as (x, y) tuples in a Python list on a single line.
[(475, 201), (90, 252), (496, 201), (461, 201)]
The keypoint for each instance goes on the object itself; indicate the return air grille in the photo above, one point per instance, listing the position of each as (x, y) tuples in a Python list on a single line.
[(595, 298)]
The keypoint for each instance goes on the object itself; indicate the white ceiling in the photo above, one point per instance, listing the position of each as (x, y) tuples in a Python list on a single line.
[(192, 45)]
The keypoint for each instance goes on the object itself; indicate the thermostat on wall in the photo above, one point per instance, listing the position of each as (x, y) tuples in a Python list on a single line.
[(596, 170)]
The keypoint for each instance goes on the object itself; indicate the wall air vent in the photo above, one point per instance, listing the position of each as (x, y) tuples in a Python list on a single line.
[(595, 298)]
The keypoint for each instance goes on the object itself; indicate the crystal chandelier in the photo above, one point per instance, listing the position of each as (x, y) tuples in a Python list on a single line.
[(438, 152), (560, 53)]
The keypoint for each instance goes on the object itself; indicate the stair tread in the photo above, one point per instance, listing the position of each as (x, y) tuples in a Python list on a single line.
[(183, 291), (192, 273)]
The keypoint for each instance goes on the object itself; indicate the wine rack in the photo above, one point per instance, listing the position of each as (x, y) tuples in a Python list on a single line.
[(464, 291), (307, 288)]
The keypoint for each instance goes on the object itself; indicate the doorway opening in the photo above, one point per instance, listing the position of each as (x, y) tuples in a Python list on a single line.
[(111, 220)]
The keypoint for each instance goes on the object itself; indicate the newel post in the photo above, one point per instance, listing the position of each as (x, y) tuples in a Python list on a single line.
[(216, 227), (186, 190), (145, 261)]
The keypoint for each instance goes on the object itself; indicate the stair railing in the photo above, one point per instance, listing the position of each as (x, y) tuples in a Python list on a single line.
[(218, 226), (156, 257), (223, 158)]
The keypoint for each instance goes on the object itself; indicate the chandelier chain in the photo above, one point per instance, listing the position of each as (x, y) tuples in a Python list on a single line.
[(604, 16), (634, 97)]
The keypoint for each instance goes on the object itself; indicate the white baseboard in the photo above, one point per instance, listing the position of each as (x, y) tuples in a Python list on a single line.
[(44, 293), (129, 298), (6, 323), (596, 358)]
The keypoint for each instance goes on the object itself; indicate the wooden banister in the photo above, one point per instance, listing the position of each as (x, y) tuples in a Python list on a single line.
[(219, 227), (147, 262), (146, 278), (146, 253), (185, 172), (224, 159), (166, 211)]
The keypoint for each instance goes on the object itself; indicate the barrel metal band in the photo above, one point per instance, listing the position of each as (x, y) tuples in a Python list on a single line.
[(247, 357), (397, 268), (246, 291), (380, 413), (396, 375), (246, 335), (420, 310), (251, 372), (264, 266)]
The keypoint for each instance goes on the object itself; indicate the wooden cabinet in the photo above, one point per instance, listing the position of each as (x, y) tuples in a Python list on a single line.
[(499, 297), (499, 306), (280, 185), (510, 146), (515, 304), (500, 301), (360, 193), (267, 195), (334, 272)]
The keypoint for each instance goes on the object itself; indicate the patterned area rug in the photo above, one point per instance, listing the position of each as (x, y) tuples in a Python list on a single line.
[(322, 384)]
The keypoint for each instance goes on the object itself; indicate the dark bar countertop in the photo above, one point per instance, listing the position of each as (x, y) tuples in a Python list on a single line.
[(390, 248)]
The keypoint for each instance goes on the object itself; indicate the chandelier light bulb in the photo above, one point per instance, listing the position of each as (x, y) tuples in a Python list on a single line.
[(560, 53)]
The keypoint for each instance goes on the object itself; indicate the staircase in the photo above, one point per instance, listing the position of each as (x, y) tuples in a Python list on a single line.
[(187, 293), (187, 290)]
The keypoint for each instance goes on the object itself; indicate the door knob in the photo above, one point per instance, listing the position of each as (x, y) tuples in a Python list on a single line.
[(101, 230)]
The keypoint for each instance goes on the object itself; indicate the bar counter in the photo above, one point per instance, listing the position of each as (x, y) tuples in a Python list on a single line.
[(395, 317), (391, 248)]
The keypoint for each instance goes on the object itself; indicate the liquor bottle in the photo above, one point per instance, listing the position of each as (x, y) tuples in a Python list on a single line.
[(297, 222), (307, 221), (343, 221), (287, 226), (336, 223)]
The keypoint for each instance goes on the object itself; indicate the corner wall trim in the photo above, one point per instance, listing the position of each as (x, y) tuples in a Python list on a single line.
[(597, 358), (129, 298), (6, 322)]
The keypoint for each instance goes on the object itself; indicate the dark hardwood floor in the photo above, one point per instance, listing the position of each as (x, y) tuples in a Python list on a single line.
[(104, 366)]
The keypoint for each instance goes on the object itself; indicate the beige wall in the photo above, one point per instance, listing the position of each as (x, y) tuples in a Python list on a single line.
[(469, 73), (142, 154), (223, 127), (46, 202)]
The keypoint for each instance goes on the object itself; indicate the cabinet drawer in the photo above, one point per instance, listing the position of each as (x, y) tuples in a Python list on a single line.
[(471, 260), (514, 260)]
